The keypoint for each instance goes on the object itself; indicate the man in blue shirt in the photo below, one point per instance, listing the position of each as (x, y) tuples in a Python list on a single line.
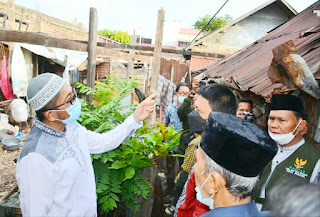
[(171, 116), (172, 119)]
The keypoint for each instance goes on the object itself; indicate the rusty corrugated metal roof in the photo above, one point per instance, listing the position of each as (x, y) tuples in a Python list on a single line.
[(250, 65), (197, 62)]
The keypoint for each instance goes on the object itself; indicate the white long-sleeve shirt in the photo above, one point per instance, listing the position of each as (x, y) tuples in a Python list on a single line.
[(54, 170)]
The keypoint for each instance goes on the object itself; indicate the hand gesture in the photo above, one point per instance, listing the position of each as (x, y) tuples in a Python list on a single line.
[(145, 108)]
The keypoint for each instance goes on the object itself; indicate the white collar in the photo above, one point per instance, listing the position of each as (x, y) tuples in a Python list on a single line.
[(292, 147)]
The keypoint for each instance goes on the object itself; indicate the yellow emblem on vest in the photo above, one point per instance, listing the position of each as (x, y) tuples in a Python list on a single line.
[(297, 168), (300, 163)]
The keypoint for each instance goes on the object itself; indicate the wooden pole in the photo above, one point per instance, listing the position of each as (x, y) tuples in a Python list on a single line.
[(92, 49), (156, 62), (131, 60), (151, 173), (10, 26)]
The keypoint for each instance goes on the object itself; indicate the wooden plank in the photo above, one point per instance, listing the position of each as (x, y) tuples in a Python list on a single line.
[(102, 48), (164, 50), (92, 48), (48, 41)]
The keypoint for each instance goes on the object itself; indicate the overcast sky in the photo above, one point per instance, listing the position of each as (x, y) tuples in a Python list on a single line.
[(141, 15)]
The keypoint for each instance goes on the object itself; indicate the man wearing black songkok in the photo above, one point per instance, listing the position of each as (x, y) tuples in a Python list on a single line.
[(232, 154), (296, 158)]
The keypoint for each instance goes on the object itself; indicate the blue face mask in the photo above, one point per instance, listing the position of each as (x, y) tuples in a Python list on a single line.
[(74, 112), (181, 99), (206, 201)]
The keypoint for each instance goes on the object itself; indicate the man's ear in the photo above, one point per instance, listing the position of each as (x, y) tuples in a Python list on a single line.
[(303, 127), (215, 183), (50, 116)]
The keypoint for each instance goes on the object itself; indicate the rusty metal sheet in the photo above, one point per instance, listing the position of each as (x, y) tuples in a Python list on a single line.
[(250, 65)]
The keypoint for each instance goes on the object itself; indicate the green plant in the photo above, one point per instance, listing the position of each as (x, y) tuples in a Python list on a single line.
[(118, 173), (216, 23), (120, 36)]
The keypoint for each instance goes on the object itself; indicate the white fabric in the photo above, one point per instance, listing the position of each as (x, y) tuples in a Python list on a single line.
[(19, 110), (58, 55), (282, 154), (19, 73), (66, 186)]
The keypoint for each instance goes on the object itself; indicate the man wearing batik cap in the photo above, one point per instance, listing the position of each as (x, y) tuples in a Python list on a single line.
[(232, 154), (54, 171), (296, 158)]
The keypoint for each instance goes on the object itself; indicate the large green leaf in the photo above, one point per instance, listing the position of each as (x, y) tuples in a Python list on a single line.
[(130, 172), (118, 164)]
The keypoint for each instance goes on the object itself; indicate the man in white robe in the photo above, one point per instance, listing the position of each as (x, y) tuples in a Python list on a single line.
[(54, 170)]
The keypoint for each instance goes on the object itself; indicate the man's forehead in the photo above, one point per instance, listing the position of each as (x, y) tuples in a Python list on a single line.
[(183, 88), (281, 113), (244, 104), (66, 90)]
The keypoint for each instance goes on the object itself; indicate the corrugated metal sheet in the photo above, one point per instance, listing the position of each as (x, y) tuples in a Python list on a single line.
[(250, 65), (197, 62), (179, 69)]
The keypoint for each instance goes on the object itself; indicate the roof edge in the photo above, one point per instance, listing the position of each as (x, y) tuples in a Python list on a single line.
[(241, 18)]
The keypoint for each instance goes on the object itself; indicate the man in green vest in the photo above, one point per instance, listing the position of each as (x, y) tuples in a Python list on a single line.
[(296, 158)]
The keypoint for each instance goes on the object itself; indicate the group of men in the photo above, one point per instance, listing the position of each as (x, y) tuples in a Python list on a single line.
[(222, 166), (293, 157)]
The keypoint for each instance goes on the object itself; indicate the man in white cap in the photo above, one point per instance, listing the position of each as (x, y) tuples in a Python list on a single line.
[(54, 170)]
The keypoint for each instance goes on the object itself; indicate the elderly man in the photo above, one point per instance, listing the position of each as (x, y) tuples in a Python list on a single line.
[(297, 158), (213, 97), (54, 171), (232, 154)]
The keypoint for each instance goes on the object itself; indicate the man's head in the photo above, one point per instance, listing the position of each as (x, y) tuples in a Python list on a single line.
[(182, 91), (244, 105), (287, 121), (291, 197), (215, 97), (50, 96), (232, 154)]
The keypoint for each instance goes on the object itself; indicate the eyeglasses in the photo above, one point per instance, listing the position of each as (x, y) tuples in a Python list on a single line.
[(183, 93), (70, 100)]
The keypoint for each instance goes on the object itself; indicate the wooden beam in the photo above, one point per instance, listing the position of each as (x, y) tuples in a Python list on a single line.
[(102, 48), (164, 50), (48, 41), (92, 48)]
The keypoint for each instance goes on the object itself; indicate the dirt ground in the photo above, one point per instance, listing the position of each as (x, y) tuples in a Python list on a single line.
[(8, 169)]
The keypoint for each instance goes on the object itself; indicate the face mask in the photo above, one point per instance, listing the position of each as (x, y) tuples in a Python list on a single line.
[(206, 201), (74, 112), (181, 99), (283, 139)]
